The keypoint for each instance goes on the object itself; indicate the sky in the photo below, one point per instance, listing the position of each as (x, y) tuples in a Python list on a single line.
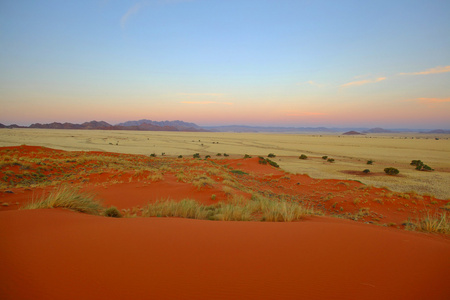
[(304, 63)]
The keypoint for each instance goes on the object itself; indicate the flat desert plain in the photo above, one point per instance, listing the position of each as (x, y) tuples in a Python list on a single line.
[(223, 227)]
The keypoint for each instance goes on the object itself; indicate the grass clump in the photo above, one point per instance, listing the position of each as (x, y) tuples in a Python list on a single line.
[(112, 212), (437, 223), (69, 198), (186, 208)]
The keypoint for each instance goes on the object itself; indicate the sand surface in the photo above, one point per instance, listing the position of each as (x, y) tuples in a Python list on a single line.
[(57, 254)]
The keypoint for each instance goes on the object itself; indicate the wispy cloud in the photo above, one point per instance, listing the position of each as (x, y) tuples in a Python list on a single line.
[(313, 83), (436, 70), (302, 114), (362, 82), (133, 10), (432, 100), (206, 102), (141, 4), (201, 94)]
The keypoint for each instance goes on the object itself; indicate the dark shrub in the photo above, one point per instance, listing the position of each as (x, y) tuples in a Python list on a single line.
[(330, 160), (219, 154), (391, 171), (272, 163), (369, 162), (196, 155), (247, 156), (324, 157), (262, 160), (366, 171), (226, 155), (153, 155), (180, 156), (271, 155), (207, 156), (112, 212), (303, 156)]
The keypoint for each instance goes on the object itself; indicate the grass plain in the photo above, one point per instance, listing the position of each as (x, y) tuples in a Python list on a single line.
[(351, 153)]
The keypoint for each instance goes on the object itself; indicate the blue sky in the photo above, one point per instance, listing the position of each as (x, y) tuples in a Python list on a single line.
[(288, 63)]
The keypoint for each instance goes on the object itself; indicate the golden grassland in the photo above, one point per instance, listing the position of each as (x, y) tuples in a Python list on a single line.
[(350, 152)]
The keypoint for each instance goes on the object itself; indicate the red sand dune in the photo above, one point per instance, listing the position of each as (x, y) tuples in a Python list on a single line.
[(58, 254)]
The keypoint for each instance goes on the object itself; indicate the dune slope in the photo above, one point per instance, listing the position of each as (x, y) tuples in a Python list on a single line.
[(58, 254)]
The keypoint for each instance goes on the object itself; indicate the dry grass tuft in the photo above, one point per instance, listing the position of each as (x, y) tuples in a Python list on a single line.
[(70, 198), (437, 223)]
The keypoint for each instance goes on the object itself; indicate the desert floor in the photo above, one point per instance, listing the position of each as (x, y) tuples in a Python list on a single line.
[(350, 152), (360, 241)]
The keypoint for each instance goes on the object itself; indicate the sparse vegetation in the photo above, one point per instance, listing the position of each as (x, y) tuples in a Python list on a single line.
[(391, 171), (112, 212), (69, 198), (420, 166), (366, 171), (437, 223)]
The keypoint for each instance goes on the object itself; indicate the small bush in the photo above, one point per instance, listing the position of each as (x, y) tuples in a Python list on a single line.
[(226, 155), (180, 156), (219, 154), (271, 155), (239, 172), (272, 163), (247, 156), (369, 162), (330, 160), (153, 155), (366, 171), (262, 160), (324, 157), (303, 156), (196, 155), (420, 166), (207, 156), (112, 212), (391, 171)]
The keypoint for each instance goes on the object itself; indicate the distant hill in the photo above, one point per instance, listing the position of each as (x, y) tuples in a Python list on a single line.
[(177, 124), (439, 131), (352, 133), (377, 130), (132, 125), (244, 128)]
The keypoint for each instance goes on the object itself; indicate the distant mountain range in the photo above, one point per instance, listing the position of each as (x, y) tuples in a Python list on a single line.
[(149, 125), (142, 125)]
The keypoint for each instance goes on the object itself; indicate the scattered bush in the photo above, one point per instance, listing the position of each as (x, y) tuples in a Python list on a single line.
[(112, 212), (330, 160), (369, 162), (247, 156), (420, 166), (303, 156), (239, 172), (366, 171), (271, 155), (324, 157), (196, 155), (391, 171), (226, 155), (262, 160), (272, 163)]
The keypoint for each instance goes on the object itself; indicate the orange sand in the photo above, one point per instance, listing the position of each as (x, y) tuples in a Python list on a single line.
[(58, 254)]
